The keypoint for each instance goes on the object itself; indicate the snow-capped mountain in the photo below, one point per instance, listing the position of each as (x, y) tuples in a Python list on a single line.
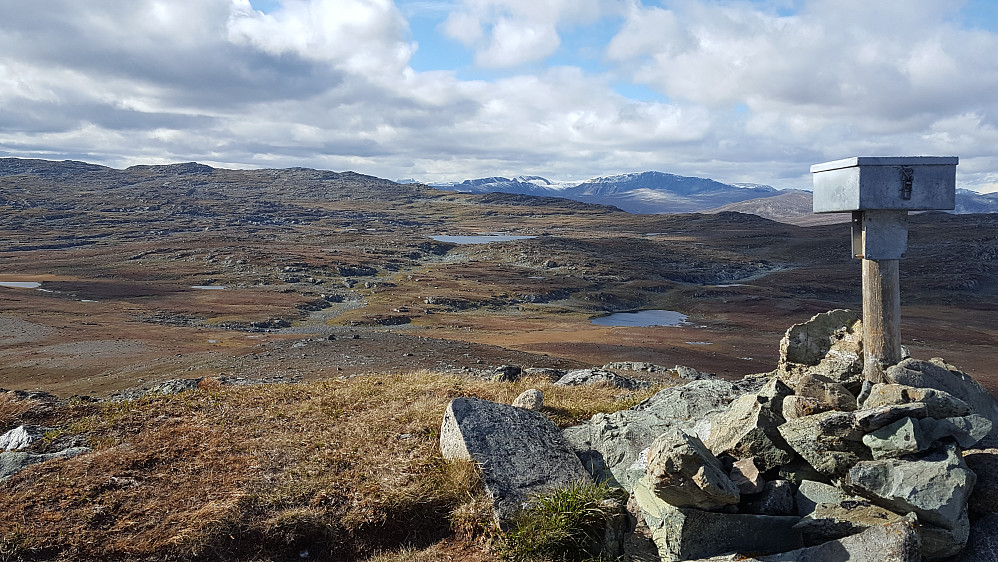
[(642, 192)]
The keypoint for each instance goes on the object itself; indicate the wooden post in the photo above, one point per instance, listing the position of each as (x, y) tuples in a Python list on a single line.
[(881, 318)]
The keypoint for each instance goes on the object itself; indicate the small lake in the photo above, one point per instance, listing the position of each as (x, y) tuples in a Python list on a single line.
[(21, 284), (642, 318), (208, 287), (484, 238)]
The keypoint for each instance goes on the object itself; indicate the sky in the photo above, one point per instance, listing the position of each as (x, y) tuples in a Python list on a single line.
[(443, 90)]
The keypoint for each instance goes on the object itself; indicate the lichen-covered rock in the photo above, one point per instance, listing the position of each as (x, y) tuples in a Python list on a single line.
[(531, 399), (940, 376), (520, 452), (829, 344), (831, 521), (939, 404), (688, 533), (610, 445), (684, 473), (828, 441), (811, 493), (831, 395), (581, 377), (903, 437), (799, 406), (935, 486)]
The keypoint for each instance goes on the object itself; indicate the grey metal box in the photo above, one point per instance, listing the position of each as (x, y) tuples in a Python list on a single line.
[(899, 183)]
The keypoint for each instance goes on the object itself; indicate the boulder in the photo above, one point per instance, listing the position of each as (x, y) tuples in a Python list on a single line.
[(984, 463), (938, 375), (829, 344), (21, 437), (938, 403), (777, 498), (580, 377), (12, 462), (687, 533), (749, 428), (829, 394), (684, 473), (939, 543), (868, 420), (982, 546), (967, 431), (903, 437), (831, 521), (544, 373), (520, 451), (893, 542), (828, 441), (811, 493), (610, 444), (746, 477), (531, 399), (507, 373), (799, 406), (935, 486)]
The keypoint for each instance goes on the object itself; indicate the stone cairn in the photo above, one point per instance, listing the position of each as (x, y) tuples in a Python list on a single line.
[(794, 465)]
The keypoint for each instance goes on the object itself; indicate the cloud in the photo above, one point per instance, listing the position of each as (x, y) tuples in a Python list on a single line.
[(749, 90)]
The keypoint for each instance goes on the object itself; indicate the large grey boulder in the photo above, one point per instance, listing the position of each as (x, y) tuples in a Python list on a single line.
[(688, 533), (869, 420), (684, 473), (610, 444), (893, 542), (811, 493), (520, 451), (938, 403), (940, 543), (967, 431), (903, 437), (12, 462), (829, 344), (749, 428), (940, 376), (984, 463), (829, 442), (935, 486)]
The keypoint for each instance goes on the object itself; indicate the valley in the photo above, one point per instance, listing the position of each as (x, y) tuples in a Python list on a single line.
[(185, 271)]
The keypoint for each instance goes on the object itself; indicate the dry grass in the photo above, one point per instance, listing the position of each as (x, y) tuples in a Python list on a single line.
[(341, 469)]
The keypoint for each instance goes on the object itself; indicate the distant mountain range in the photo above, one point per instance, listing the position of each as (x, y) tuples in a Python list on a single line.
[(659, 192)]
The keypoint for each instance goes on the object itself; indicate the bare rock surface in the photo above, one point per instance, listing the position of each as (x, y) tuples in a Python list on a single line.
[(828, 441), (521, 452), (938, 403), (20, 437), (12, 462), (580, 377), (749, 428), (829, 344)]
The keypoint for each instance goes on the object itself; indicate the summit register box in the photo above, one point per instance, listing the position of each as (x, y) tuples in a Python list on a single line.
[(892, 183)]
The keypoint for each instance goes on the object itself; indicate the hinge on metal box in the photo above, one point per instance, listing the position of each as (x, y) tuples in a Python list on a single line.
[(907, 178)]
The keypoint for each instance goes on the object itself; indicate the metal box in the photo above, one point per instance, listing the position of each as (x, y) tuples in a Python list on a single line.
[(893, 183)]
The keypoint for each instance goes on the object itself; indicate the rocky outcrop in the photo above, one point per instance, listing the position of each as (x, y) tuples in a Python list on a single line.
[(611, 445), (520, 452), (580, 377), (12, 462)]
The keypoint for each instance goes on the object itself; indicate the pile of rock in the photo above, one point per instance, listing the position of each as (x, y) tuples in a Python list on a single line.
[(790, 465)]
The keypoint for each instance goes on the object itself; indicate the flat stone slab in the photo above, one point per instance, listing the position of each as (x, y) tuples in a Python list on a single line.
[(521, 452)]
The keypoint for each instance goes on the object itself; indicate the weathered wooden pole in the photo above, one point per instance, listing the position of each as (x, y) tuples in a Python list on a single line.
[(881, 317), (879, 192)]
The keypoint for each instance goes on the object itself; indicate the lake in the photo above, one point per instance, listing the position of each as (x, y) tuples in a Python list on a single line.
[(642, 318), (20, 284)]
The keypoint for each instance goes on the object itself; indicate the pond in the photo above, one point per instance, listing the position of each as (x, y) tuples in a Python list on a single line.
[(642, 318), (483, 238), (21, 284), (208, 287)]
